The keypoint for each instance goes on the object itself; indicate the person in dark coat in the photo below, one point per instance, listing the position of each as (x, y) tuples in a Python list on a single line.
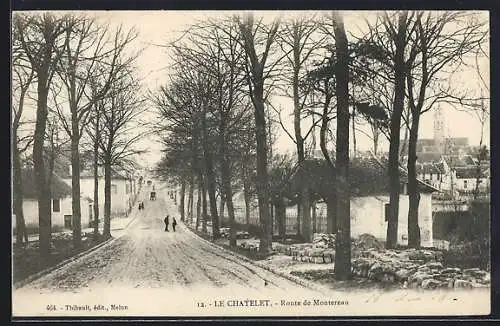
[(166, 224), (174, 223)]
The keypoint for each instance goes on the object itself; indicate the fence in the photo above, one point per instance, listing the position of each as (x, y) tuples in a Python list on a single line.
[(318, 224)]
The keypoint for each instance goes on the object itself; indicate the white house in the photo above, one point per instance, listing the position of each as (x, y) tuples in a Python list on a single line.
[(124, 188), (466, 179), (454, 173), (369, 205), (61, 203)]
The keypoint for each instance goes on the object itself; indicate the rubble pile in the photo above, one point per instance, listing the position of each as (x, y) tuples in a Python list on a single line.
[(320, 251), (225, 232), (250, 245), (411, 268), (324, 240), (416, 269), (62, 236)]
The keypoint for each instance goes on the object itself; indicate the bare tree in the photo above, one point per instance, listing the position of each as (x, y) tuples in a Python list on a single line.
[(93, 130), (343, 239), (434, 51), (23, 76), (323, 81), (255, 35), (120, 116), (91, 53), (54, 147), (42, 38), (482, 153), (300, 42), (387, 43)]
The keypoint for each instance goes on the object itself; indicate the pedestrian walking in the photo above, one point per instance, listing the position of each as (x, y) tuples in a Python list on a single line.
[(174, 223), (166, 223)]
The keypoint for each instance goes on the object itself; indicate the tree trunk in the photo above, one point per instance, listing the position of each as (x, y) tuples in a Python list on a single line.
[(395, 127), (228, 195), (191, 199), (343, 238), (198, 203), (299, 214), (306, 213), (42, 190), (183, 195), (271, 214), (354, 143), (413, 191), (17, 192), (280, 210), (75, 186), (331, 215), (402, 151), (314, 220), (376, 133), (213, 202), (229, 201), (96, 186), (481, 153), (303, 182), (210, 181), (222, 207), (262, 176), (204, 206), (246, 197), (107, 199)]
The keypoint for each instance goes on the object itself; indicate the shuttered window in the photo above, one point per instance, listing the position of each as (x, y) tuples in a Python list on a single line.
[(56, 205)]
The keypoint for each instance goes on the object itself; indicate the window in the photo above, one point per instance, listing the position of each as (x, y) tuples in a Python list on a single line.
[(56, 205), (465, 184), (127, 188), (430, 177), (114, 190)]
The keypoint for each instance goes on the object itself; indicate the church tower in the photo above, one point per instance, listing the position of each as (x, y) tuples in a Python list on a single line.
[(439, 132)]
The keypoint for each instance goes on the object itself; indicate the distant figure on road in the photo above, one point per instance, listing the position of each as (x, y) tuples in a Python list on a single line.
[(166, 224), (174, 223)]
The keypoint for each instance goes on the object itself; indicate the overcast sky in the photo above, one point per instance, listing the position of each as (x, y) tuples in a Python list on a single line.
[(160, 27)]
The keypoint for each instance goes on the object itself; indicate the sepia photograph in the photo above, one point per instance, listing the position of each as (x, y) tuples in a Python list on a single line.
[(314, 163)]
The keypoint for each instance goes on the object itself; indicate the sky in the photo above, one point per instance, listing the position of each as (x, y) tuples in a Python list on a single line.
[(160, 27)]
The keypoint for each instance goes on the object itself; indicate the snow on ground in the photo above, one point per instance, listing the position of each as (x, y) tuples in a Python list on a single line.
[(149, 272)]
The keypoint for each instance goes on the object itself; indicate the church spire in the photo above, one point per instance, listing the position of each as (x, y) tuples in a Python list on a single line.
[(439, 132)]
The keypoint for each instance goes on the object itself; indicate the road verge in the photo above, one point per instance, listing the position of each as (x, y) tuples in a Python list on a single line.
[(297, 280), (69, 260)]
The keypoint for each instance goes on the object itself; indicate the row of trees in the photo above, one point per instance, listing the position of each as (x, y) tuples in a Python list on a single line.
[(78, 73), (397, 70)]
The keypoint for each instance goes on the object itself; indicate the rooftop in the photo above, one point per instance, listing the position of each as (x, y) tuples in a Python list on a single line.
[(59, 188), (367, 176)]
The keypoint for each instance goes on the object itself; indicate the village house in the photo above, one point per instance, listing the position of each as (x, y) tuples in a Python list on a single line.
[(124, 189), (61, 205), (369, 203), (457, 174)]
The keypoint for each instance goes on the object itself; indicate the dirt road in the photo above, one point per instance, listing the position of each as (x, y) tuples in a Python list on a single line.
[(149, 272), (146, 256)]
